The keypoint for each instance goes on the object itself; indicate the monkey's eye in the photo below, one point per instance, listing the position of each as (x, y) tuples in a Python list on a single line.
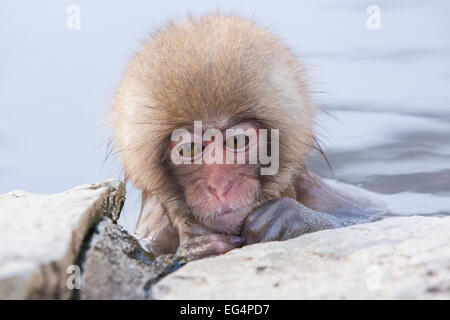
[(237, 142), (190, 150)]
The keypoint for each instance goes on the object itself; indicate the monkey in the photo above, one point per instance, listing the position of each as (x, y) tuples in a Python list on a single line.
[(229, 74)]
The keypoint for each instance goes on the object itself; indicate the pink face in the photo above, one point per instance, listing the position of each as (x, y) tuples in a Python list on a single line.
[(221, 192)]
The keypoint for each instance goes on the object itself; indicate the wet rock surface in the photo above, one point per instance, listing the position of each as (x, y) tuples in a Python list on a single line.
[(116, 267), (42, 235), (69, 246), (396, 258)]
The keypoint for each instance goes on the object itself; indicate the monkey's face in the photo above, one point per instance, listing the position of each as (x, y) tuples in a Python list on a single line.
[(219, 175)]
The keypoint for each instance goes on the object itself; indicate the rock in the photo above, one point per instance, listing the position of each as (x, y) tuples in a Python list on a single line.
[(53, 243), (42, 235), (116, 267), (396, 258)]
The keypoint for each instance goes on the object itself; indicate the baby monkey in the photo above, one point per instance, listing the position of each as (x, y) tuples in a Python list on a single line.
[(213, 121)]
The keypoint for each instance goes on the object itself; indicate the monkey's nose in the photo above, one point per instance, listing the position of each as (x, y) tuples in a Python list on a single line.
[(220, 189)]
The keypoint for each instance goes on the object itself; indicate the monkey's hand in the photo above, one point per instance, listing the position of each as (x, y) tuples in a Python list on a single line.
[(199, 246), (283, 219)]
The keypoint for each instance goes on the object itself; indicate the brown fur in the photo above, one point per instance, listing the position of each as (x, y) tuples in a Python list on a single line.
[(220, 69)]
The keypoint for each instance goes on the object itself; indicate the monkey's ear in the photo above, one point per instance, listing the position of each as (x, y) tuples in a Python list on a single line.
[(153, 229)]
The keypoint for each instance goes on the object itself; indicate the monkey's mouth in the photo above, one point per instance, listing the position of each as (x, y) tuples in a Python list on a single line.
[(216, 212), (226, 211), (225, 215)]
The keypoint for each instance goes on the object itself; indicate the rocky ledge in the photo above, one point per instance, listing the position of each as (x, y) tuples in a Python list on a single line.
[(396, 258), (69, 246)]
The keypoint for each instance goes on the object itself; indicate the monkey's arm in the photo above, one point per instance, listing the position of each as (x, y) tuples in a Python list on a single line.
[(321, 205), (283, 219)]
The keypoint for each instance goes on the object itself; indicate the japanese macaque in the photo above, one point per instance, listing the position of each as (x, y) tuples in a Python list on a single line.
[(231, 76)]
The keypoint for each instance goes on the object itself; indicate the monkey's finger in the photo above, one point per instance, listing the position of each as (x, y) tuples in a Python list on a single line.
[(219, 247), (262, 219), (286, 225), (208, 245), (265, 209), (235, 241), (205, 249)]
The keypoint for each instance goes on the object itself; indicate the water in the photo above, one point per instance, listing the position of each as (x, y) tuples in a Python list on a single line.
[(387, 91), (404, 159)]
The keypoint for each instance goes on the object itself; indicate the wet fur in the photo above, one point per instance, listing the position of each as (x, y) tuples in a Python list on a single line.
[(223, 70)]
